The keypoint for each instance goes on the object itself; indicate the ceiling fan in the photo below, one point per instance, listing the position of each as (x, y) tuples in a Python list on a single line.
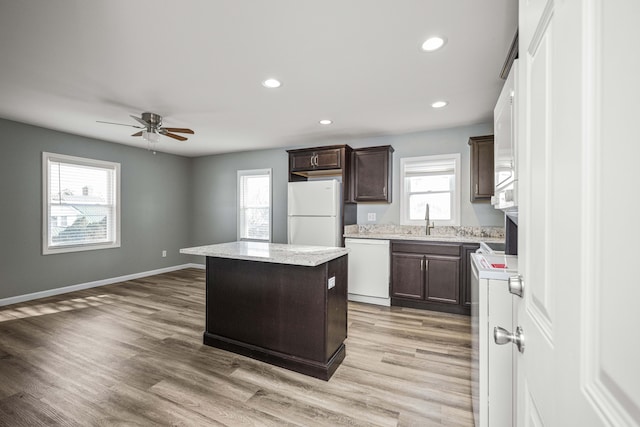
[(152, 128)]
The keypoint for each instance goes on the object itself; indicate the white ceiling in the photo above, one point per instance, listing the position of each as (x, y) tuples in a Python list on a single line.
[(200, 63)]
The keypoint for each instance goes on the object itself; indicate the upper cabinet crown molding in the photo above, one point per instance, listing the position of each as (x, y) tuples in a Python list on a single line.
[(512, 55)]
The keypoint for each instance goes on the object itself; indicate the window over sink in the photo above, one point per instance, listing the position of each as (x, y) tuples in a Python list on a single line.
[(433, 180)]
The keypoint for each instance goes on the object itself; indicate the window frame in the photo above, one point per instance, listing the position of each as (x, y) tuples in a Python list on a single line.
[(240, 175), (455, 192), (115, 242)]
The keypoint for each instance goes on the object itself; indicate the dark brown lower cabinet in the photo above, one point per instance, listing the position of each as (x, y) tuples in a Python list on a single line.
[(442, 278), (431, 275), (407, 276)]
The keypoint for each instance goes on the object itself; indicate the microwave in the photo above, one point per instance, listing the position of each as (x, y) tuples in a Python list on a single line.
[(505, 167)]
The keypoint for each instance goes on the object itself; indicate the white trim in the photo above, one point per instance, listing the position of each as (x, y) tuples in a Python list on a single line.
[(455, 220), (386, 302), (46, 158), (66, 289)]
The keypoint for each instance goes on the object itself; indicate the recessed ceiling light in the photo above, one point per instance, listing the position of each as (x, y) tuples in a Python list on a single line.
[(432, 43), (271, 83), (325, 122), (439, 104)]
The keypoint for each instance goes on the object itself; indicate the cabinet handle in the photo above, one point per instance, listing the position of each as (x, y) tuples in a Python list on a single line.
[(384, 191), (477, 189), (422, 264), (426, 264)]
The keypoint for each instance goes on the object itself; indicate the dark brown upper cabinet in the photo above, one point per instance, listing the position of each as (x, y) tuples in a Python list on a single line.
[(371, 175), (316, 159), (329, 161), (481, 168)]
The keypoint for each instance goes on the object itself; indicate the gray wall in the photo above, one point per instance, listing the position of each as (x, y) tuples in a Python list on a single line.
[(170, 202), (214, 189), (445, 141), (214, 182), (155, 211)]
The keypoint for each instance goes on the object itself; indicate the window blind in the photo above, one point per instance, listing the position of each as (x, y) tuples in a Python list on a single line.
[(430, 167), (81, 203)]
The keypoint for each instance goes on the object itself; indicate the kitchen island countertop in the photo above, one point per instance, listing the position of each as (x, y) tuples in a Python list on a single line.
[(276, 253)]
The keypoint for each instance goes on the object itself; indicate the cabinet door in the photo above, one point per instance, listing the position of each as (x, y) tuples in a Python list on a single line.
[(443, 280), (467, 250), (372, 174), (301, 161), (482, 176), (328, 159), (407, 276), (315, 159)]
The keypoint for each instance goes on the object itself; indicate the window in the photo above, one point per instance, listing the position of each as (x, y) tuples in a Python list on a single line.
[(81, 204), (433, 180), (254, 205)]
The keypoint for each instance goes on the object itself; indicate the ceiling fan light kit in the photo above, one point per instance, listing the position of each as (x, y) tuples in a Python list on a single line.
[(150, 136), (152, 129)]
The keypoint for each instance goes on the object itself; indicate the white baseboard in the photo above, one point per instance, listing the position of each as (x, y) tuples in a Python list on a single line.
[(370, 300), (95, 284)]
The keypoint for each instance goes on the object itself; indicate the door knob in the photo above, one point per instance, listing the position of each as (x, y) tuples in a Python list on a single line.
[(501, 336), (516, 286)]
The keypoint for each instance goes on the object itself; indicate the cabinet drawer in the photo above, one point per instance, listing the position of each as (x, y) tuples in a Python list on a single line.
[(447, 249)]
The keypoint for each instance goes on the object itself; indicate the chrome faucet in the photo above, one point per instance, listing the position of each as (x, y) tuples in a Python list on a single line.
[(426, 218)]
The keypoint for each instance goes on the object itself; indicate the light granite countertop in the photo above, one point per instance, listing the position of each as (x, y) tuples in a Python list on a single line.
[(457, 234), (276, 253), (423, 238)]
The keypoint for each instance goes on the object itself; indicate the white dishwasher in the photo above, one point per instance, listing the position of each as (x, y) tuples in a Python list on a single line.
[(368, 270)]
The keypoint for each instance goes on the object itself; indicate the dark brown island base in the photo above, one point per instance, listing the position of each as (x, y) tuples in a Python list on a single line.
[(282, 304)]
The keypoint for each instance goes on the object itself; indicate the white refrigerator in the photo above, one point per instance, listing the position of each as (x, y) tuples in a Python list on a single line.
[(314, 213)]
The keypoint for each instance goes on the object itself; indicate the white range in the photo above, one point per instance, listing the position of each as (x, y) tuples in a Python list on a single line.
[(492, 364)]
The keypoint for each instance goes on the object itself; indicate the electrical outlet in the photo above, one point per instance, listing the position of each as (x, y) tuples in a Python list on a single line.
[(164, 254), (371, 216)]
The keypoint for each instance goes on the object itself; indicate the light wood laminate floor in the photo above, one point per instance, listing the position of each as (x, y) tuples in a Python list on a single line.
[(132, 354)]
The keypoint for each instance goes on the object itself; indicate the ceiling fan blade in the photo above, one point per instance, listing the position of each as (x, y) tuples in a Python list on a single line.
[(120, 124), (139, 120), (173, 135), (137, 134), (179, 130)]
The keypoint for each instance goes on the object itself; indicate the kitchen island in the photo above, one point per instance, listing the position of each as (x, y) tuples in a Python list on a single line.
[(282, 304)]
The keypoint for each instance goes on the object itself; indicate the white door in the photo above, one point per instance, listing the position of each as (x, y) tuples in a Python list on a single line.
[(578, 228)]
